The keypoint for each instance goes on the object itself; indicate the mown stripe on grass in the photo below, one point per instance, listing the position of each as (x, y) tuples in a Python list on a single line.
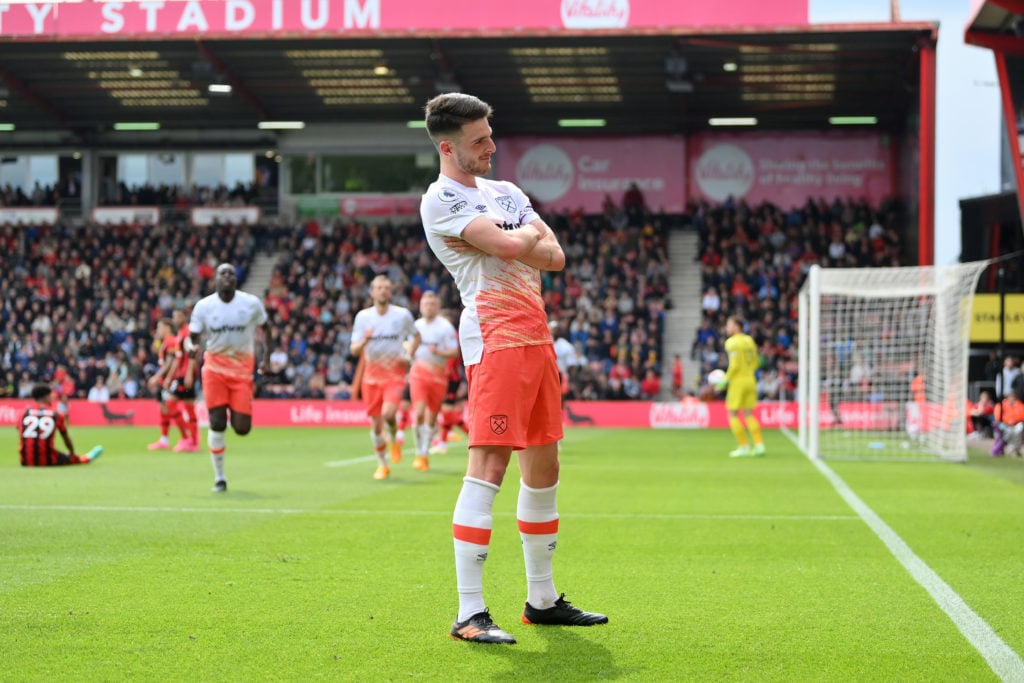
[(414, 513)]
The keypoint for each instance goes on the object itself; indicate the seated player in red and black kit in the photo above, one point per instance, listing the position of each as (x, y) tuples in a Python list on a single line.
[(36, 429)]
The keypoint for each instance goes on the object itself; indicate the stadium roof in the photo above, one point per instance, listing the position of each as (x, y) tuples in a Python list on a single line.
[(788, 78)]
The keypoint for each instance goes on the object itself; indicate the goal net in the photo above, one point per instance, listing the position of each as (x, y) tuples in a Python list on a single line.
[(883, 361)]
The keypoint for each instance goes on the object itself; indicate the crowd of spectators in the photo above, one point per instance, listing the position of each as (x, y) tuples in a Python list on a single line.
[(80, 302), (753, 262)]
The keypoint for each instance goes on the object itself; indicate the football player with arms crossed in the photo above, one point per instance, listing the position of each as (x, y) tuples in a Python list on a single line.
[(379, 333), (741, 395), (228, 320), (494, 244), (428, 378)]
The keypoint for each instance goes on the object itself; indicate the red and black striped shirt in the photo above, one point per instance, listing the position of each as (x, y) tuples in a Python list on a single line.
[(37, 428)]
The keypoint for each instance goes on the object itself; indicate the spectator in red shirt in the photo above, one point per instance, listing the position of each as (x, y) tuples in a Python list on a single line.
[(650, 387)]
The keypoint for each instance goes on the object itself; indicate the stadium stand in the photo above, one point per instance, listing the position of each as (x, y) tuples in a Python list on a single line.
[(86, 298), (753, 262)]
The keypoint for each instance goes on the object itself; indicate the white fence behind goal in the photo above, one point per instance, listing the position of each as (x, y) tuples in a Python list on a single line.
[(883, 361)]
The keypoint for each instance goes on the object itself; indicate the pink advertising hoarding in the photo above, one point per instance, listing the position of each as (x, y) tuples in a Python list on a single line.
[(786, 169), (245, 18), (578, 172)]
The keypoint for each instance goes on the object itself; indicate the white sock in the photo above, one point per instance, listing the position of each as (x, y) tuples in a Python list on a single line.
[(215, 441), (471, 529), (423, 434), (417, 438), (379, 447), (537, 512)]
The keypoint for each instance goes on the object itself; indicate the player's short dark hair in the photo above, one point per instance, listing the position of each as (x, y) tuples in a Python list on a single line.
[(41, 391), (736, 319), (448, 112), (166, 321)]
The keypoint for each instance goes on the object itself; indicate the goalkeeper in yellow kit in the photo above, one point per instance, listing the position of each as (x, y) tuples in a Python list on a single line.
[(741, 395)]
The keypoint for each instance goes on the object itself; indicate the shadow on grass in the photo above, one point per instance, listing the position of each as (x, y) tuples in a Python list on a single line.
[(570, 655)]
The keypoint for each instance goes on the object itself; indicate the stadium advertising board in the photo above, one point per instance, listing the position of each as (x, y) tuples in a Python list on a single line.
[(638, 414), (116, 215), (787, 168), (319, 413), (99, 19), (225, 215), (572, 173), (985, 318), (28, 214)]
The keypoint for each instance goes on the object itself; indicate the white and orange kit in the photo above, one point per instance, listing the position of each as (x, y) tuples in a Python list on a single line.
[(229, 360), (428, 379), (514, 386), (386, 359)]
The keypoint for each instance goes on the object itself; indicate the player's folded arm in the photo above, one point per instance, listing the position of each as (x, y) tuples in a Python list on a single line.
[(507, 245)]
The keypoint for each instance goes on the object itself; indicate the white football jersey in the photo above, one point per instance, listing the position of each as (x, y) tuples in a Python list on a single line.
[(229, 329), (385, 355), (502, 304), (441, 334)]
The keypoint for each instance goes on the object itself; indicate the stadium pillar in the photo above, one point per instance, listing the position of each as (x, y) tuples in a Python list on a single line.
[(926, 145), (1010, 121)]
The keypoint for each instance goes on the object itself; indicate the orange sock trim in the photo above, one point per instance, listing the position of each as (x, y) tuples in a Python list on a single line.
[(218, 451), (471, 534), (539, 527)]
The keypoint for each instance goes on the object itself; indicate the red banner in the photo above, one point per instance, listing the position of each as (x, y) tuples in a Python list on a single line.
[(639, 414), (786, 169), (97, 19), (570, 173)]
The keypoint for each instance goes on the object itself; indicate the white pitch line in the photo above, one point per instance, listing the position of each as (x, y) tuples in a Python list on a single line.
[(350, 461), (418, 513), (1003, 659)]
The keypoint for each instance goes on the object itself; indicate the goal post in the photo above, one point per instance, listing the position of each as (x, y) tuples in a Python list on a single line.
[(883, 361)]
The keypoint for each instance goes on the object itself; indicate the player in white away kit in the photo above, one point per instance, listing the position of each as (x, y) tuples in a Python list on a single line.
[(428, 379), (228, 320), (494, 244), (380, 332)]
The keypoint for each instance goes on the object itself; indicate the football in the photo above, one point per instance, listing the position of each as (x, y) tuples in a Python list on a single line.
[(716, 376)]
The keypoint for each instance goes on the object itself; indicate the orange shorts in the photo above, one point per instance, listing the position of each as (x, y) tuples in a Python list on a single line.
[(376, 395), (429, 392), (227, 390), (515, 398)]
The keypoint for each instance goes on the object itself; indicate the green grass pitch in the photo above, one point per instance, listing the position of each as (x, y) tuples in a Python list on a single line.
[(709, 568)]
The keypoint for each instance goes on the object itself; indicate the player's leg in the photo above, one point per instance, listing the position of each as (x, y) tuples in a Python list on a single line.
[(389, 412), (403, 416), (373, 399), (66, 459), (473, 517), (472, 522), (175, 416), (537, 509), (218, 397), (754, 427), (163, 443), (737, 429)]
